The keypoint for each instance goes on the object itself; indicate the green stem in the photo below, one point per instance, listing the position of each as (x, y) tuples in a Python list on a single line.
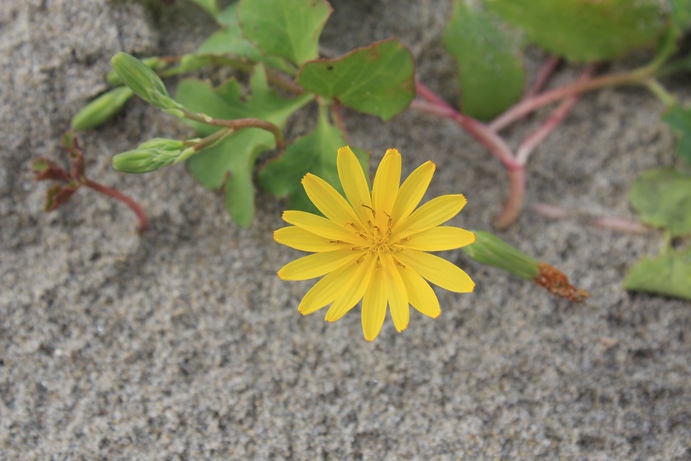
[(662, 94)]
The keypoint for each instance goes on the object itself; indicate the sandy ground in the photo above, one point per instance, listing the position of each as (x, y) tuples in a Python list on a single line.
[(183, 344)]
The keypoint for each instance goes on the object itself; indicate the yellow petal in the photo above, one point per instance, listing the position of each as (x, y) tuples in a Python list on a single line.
[(353, 290), (412, 191), (326, 290), (433, 213), (316, 265), (374, 306), (439, 239), (396, 293), (320, 226), (437, 270), (354, 183), (386, 182), (300, 239), (328, 200), (420, 294)]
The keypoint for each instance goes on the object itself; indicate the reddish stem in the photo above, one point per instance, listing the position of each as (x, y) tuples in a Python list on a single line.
[(531, 104), (338, 117), (543, 76), (430, 96), (622, 225), (614, 224), (478, 130), (552, 122), (143, 224), (514, 203)]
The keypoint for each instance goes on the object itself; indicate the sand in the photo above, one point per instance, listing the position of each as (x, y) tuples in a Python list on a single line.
[(183, 343)]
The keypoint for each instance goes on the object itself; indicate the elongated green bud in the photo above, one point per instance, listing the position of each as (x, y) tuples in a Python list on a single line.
[(155, 63), (493, 251), (145, 83), (101, 109), (152, 155)]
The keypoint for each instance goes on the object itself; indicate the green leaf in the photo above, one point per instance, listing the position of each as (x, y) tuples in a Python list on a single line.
[(489, 58), (229, 40), (315, 153), (679, 120), (586, 30), (681, 13), (667, 274), (663, 199), (230, 162), (287, 28), (209, 6), (377, 80)]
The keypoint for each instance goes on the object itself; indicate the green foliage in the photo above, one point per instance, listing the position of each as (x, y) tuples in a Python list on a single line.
[(377, 80), (287, 28), (230, 41), (209, 6), (667, 274), (586, 30), (681, 13), (489, 58), (229, 38), (663, 199), (230, 162), (679, 120), (314, 153)]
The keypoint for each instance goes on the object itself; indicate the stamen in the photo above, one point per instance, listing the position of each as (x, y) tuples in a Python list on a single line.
[(374, 213)]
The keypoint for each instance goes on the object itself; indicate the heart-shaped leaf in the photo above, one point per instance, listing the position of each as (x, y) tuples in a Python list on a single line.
[(377, 80)]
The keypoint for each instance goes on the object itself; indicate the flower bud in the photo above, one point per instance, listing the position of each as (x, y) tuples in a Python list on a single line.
[(144, 82), (150, 156), (101, 109), (155, 63), (493, 251)]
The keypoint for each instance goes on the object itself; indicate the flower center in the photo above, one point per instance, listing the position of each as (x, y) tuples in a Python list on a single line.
[(376, 235)]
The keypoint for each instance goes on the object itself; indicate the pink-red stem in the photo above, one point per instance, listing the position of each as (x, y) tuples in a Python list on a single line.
[(143, 223), (553, 121), (528, 105), (543, 76), (611, 223), (515, 200)]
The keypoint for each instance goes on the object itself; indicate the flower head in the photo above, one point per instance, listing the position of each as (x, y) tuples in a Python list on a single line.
[(373, 246)]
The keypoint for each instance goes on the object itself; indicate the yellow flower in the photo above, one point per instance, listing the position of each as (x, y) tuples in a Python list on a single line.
[(373, 246)]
